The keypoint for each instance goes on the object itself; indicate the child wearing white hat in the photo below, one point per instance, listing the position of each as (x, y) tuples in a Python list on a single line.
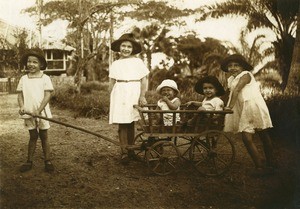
[(169, 100)]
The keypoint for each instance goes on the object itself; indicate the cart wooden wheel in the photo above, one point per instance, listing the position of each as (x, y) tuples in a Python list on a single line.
[(184, 146), (212, 153), (163, 157), (141, 141)]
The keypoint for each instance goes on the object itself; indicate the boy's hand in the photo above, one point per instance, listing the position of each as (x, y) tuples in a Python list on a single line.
[(35, 113), (21, 111)]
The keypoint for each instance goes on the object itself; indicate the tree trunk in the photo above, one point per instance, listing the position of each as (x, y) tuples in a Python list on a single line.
[(293, 85)]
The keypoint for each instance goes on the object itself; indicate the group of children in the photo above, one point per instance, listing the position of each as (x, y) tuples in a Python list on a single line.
[(128, 84)]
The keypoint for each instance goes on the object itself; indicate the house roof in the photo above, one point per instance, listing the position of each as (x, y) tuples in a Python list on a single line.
[(8, 38), (7, 34), (57, 45)]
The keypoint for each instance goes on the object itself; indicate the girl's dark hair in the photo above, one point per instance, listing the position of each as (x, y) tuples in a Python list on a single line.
[(212, 80)]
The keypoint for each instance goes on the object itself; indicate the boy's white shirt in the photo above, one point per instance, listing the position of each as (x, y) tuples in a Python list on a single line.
[(33, 93)]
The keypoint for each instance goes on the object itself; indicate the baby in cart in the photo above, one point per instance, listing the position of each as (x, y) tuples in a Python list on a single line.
[(169, 101)]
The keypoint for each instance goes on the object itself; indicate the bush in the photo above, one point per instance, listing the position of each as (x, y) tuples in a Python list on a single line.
[(93, 101), (285, 115), (87, 87)]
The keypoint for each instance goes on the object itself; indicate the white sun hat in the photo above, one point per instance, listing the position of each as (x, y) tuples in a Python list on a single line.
[(167, 83)]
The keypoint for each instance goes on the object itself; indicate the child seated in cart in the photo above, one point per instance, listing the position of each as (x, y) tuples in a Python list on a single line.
[(169, 101), (212, 89)]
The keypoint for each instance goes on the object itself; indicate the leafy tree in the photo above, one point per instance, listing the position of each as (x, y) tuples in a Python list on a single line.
[(154, 36), (293, 86), (10, 54), (87, 19), (277, 15), (196, 52)]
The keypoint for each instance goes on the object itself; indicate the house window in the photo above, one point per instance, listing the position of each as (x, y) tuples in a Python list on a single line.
[(58, 65), (55, 59), (58, 55), (48, 55)]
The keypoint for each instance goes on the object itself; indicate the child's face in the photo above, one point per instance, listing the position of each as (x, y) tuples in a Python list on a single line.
[(33, 64), (168, 92), (209, 90), (234, 68), (126, 49)]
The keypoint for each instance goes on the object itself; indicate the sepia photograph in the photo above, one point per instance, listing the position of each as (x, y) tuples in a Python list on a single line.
[(150, 104)]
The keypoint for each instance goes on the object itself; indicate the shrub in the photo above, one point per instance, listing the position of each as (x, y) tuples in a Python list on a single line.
[(89, 86), (285, 115), (89, 103)]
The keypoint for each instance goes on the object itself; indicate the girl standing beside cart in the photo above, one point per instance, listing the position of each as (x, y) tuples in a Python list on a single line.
[(128, 83), (250, 112)]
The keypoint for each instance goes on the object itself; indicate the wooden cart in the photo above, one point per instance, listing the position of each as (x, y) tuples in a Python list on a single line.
[(202, 143)]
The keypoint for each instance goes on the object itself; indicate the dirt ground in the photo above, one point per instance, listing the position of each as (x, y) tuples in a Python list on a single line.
[(88, 173)]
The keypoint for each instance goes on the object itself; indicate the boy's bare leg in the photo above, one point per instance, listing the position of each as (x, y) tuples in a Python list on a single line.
[(33, 136), (45, 144), (46, 150)]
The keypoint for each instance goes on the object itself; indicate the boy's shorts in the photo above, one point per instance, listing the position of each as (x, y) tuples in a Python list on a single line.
[(33, 123)]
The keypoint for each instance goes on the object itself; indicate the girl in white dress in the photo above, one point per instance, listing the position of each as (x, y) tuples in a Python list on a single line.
[(128, 83), (250, 112), (34, 92)]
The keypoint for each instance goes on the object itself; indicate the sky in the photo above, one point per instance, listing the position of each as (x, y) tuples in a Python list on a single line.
[(222, 29)]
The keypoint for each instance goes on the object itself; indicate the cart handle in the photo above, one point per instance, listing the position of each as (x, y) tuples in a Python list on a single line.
[(76, 127)]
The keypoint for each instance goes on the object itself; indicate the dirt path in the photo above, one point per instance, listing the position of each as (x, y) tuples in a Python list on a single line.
[(88, 173)]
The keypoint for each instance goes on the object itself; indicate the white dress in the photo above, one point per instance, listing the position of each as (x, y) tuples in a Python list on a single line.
[(126, 94), (168, 117), (213, 104), (250, 111)]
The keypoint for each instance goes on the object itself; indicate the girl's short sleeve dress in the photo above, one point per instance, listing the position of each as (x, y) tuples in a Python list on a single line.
[(126, 94), (250, 112)]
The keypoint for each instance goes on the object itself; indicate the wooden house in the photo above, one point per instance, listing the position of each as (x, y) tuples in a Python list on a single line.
[(56, 53)]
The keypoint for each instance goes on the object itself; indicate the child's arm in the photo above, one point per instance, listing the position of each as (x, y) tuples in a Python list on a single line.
[(244, 80), (47, 96), (142, 99), (21, 103), (195, 103), (111, 84), (172, 106)]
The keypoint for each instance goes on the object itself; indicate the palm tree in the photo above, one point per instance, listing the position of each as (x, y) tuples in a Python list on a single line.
[(278, 15), (294, 77)]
